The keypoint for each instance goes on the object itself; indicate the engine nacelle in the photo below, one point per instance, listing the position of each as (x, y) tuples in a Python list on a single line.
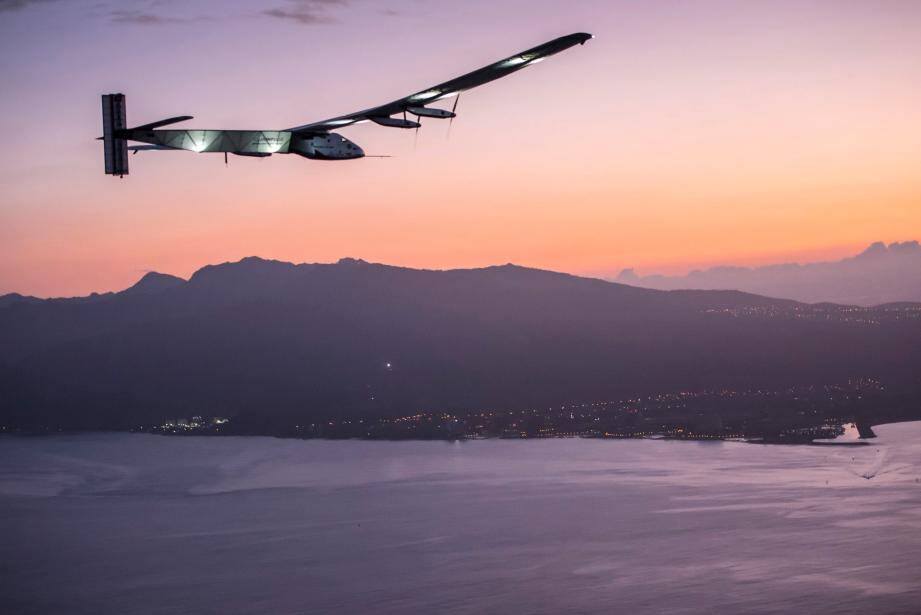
[(441, 114), (328, 146), (394, 122)]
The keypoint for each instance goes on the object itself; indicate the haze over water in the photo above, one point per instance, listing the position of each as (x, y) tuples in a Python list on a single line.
[(110, 523)]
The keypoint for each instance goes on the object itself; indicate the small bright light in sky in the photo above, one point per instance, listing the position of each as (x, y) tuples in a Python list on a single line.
[(513, 62), (426, 95)]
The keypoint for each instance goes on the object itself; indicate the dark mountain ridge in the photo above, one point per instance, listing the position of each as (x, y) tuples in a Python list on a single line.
[(269, 342), (153, 283)]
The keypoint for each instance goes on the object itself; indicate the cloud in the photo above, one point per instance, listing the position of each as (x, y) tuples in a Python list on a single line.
[(15, 5), (153, 13), (141, 18), (306, 12), (116, 15), (880, 274)]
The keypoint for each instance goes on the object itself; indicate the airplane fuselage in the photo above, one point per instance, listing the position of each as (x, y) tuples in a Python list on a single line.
[(324, 146)]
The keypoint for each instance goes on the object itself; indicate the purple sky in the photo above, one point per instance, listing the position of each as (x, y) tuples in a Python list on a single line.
[(686, 133)]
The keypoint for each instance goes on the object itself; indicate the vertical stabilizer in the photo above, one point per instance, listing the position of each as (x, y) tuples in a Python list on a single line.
[(113, 123)]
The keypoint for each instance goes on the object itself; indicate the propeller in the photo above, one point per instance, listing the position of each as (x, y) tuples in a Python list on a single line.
[(416, 131), (453, 110)]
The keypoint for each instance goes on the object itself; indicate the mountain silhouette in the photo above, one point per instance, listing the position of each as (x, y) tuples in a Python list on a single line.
[(153, 283), (880, 274), (271, 343)]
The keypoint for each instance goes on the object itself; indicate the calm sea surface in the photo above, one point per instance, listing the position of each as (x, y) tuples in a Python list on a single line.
[(150, 524)]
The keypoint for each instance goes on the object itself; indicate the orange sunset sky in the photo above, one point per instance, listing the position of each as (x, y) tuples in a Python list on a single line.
[(685, 134)]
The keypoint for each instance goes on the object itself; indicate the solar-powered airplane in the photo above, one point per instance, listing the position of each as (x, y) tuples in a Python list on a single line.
[(315, 141)]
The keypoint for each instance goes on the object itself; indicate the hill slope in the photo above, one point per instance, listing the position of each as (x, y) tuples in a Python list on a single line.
[(271, 343)]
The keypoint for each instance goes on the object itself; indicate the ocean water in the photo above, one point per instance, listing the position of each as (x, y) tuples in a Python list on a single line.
[(117, 523)]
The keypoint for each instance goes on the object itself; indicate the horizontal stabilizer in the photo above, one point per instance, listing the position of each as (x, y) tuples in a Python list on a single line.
[(166, 122), (147, 148)]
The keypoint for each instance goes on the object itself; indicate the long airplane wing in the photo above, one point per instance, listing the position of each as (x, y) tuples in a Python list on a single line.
[(415, 103)]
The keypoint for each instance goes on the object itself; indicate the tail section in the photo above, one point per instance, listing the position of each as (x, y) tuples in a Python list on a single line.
[(114, 124)]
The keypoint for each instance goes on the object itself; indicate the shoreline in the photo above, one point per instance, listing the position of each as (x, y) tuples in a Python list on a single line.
[(655, 437)]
